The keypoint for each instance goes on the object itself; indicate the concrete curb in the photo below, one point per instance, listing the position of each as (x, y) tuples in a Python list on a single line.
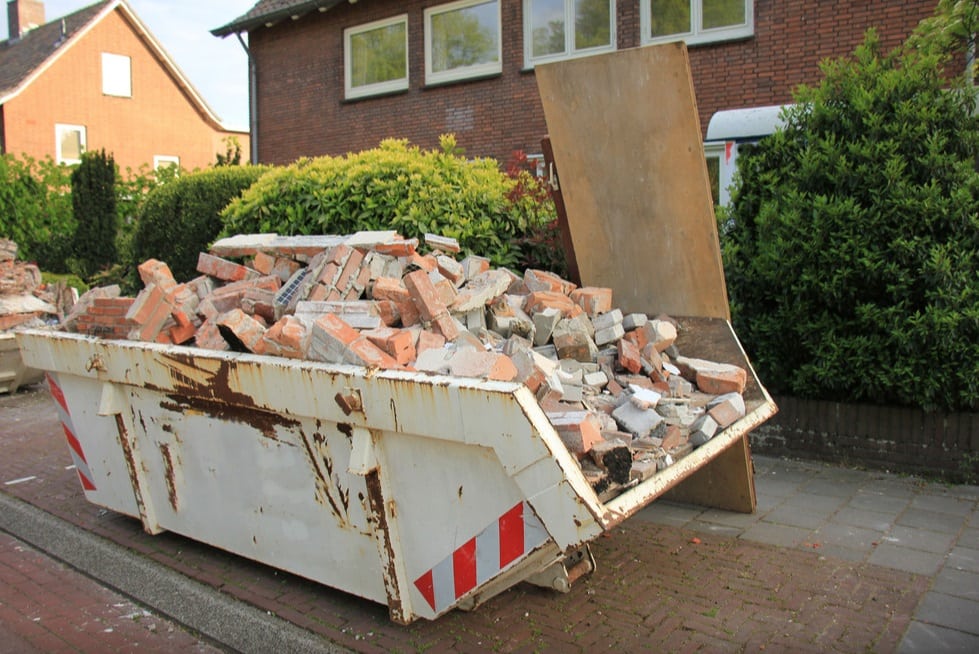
[(228, 622)]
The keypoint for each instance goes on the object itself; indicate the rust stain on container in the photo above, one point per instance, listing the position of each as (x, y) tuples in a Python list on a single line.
[(169, 475), (319, 459), (396, 608)]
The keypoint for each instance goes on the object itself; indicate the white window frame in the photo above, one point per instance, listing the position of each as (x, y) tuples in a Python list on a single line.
[(390, 86), (59, 130), (476, 70), (160, 160), (697, 34), (569, 50), (117, 75)]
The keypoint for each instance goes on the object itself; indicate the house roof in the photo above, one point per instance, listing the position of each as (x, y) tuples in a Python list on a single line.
[(269, 12), (21, 57), (23, 60)]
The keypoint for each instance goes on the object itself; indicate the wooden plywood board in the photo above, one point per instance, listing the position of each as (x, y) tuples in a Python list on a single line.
[(627, 146)]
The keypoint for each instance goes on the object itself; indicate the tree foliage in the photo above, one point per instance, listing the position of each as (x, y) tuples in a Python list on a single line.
[(35, 209), (853, 241)]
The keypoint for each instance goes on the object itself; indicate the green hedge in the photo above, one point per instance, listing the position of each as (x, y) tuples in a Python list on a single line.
[(852, 244), (181, 218), (399, 187)]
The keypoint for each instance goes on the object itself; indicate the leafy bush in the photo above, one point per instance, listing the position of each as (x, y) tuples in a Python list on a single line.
[(179, 219), (852, 243), (394, 186), (35, 209), (72, 280), (539, 241)]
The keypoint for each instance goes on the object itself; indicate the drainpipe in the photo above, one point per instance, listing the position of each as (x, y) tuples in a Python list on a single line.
[(252, 101)]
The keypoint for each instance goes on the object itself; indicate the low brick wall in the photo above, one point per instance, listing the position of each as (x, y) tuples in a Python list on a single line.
[(897, 439)]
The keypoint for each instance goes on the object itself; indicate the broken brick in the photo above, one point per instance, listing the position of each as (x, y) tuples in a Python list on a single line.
[(241, 331), (229, 271), (594, 300), (398, 343), (288, 337)]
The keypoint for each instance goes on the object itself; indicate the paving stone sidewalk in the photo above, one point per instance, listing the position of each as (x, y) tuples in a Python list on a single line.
[(833, 560), (47, 607)]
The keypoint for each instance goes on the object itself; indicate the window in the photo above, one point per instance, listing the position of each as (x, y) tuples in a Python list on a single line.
[(165, 161), (376, 57), (462, 39), (117, 76), (69, 143), (714, 154), (560, 29), (695, 21)]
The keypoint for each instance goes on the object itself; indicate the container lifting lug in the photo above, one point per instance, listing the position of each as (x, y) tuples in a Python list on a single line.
[(351, 402)]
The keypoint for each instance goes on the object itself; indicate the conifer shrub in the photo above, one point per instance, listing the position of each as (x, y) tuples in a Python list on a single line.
[(93, 201)]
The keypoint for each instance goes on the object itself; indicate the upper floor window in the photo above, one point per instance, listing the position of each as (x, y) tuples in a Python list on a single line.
[(462, 39), (560, 29), (376, 57), (117, 76), (69, 143), (695, 21)]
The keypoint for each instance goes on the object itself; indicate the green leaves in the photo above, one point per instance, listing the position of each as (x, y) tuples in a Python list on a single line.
[(852, 243), (180, 219), (401, 187)]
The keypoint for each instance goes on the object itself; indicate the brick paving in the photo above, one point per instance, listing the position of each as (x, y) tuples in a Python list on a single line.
[(657, 586), (47, 607)]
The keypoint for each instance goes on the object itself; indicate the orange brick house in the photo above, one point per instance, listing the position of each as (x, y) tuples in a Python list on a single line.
[(332, 76), (98, 79)]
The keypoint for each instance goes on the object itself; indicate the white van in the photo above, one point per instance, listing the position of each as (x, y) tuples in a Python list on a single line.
[(729, 132)]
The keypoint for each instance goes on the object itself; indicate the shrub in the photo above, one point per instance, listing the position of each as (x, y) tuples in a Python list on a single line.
[(394, 186), (179, 219), (539, 243), (853, 241), (93, 201), (35, 209)]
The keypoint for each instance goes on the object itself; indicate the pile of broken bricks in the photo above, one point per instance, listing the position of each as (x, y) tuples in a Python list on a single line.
[(622, 398), (24, 300)]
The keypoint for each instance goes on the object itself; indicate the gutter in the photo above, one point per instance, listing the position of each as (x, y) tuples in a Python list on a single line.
[(247, 23), (252, 101)]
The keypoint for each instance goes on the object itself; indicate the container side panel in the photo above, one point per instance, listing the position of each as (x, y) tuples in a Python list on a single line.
[(268, 487), (93, 443)]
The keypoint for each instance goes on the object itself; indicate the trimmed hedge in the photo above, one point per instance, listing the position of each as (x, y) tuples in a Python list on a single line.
[(399, 187), (181, 218)]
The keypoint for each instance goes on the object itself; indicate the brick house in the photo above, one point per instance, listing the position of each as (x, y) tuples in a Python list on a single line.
[(332, 76), (98, 79)]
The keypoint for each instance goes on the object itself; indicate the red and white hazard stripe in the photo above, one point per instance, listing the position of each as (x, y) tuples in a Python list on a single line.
[(481, 558), (74, 446)]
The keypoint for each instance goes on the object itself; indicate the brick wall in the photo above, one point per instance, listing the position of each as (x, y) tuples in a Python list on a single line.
[(302, 112), (878, 437)]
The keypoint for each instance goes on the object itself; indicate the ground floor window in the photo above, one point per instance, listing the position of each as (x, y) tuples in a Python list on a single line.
[(462, 39), (376, 57), (695, 21), (560, 29), (70, 143)]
